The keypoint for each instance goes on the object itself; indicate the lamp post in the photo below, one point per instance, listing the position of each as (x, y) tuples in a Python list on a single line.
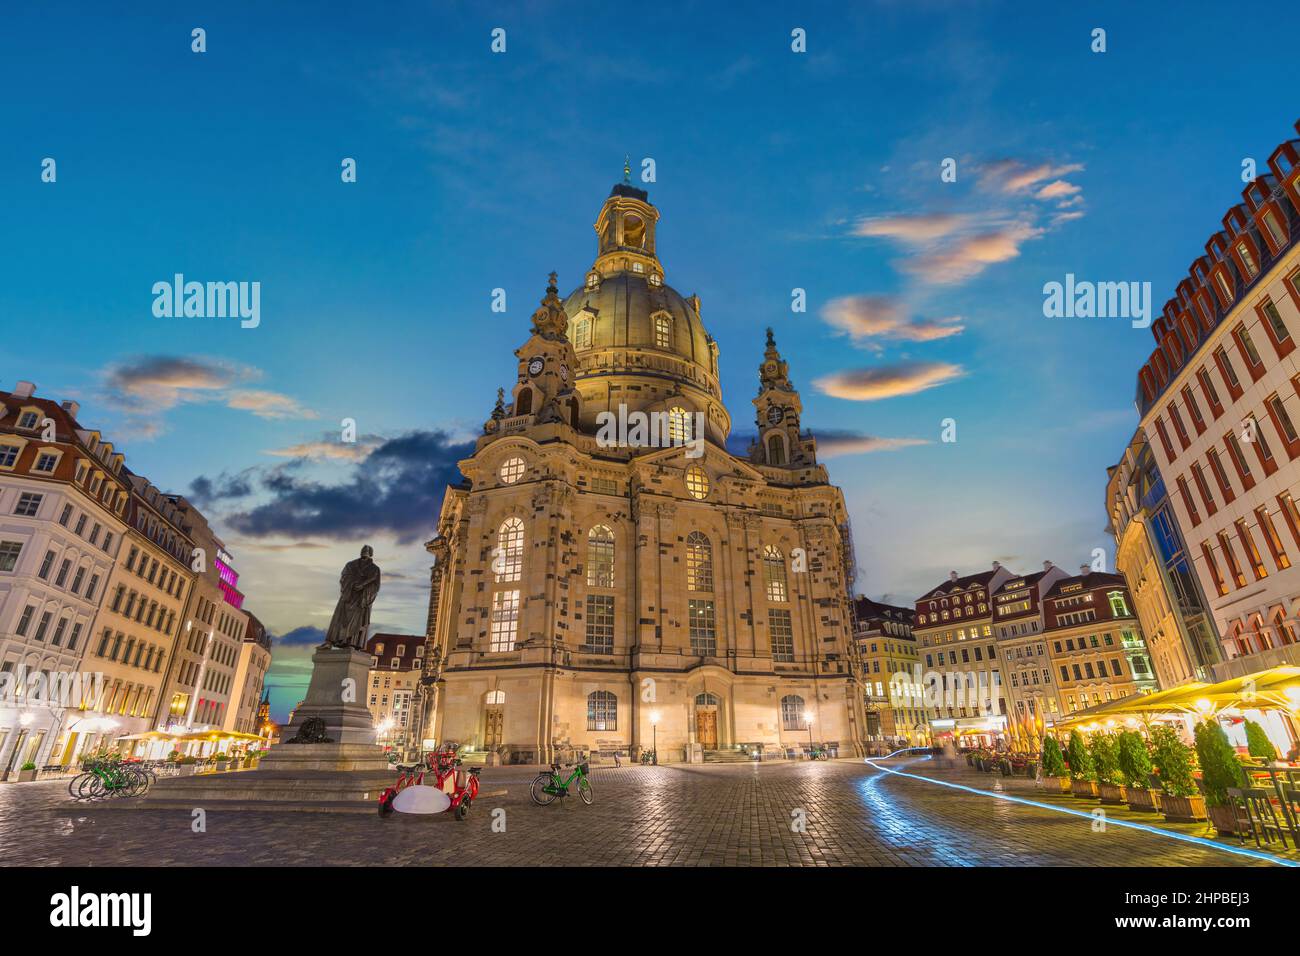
[(654, 737), (808, 719)]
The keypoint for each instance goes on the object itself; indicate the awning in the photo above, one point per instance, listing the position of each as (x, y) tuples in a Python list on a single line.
[(1161, 702), (1277, 688)]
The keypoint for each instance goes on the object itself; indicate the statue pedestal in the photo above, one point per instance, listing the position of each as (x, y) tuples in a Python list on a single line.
[(340, 678)]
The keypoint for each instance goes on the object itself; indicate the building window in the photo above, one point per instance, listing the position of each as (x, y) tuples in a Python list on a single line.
[(602, 711), (512, 469), (45, 462), (1230, 556), (703, 632), (699, 562), (582, 334), (782, 634), (1252, 552), (27, 420), (663, 332), (1271, 538), (792, 713), (1118, 608), (697, 482), (776, 449), (774, 575), (28, 504), (505, 620), (509, 558), (8, 455), (600, 624), (1275, 324), (9, 551), (679, 425), (600, 557)]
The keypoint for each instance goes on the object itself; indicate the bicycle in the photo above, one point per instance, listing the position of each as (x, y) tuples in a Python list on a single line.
[(103, 779), (406, 777), (549, 785)]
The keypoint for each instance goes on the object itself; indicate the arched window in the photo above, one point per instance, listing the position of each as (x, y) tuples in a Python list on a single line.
[(600, 557), (663, 332), (792, 713), (697, 482), (582, 333), (602, 711), (512, 469), (679, 425), (524, 402), (495, 697), (776, 449), (774, 574), (699, 562), (508, 562), (707, 700)]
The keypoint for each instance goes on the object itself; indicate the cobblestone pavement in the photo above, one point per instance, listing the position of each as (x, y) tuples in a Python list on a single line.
[(725, 815)]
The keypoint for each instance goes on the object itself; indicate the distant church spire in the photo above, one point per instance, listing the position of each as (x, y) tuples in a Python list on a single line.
[(550, 320), (627, 169)]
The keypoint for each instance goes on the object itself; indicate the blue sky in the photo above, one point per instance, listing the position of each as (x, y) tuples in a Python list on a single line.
[(774, 170)]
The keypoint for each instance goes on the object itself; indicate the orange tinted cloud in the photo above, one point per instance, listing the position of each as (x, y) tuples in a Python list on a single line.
[(887, 381)]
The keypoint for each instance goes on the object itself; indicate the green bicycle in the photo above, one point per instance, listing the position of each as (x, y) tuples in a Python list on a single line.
[(550, 785), (108, 778)]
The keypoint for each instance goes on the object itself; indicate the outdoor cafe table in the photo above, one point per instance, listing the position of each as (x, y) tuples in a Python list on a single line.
[(1287, 776)]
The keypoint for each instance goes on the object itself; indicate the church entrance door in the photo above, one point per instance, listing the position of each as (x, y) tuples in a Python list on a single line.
[(494, 719), (706, 729)]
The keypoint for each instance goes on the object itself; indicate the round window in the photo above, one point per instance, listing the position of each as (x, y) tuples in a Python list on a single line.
[(697, 482), (512, 469)]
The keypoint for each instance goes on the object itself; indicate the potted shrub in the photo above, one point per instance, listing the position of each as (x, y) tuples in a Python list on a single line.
[(1220, 770), (1055, 777), (187, 765), (1257, 743), (1083, 777), (27, 772), (1105, 762), (1135, 765), (221, 759), (1180, 801)]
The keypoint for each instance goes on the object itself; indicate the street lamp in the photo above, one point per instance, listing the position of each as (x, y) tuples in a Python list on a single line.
[(654, 737), (808, 719)]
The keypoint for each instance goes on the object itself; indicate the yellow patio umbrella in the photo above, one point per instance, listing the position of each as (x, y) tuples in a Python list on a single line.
[(1277, 687), (1137, 705)]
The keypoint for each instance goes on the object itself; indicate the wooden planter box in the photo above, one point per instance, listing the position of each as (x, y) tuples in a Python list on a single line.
[(1087, 789), (1183, 809), (1056, 784), (1144, 799), (1112, 793), (1228, 820)]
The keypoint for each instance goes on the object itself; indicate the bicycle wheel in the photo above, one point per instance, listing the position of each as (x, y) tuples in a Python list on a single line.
[(93, 788), (137, 782), (584, 791), (539, 792), (79, 786)]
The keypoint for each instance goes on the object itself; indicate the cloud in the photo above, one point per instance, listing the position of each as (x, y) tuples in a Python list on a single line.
[(918, 228), (1011, 176), (398, 488), (832, 444), (265, 404), (299, 637), (887, 381), (866, 317), (971, 255), (205, 491), (146, 387), (1057, 190), (330, 448)]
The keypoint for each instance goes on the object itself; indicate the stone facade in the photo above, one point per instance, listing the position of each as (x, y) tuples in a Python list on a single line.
[(599, 589)]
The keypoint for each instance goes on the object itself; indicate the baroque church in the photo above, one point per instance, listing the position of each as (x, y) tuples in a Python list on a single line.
[(595, 596)]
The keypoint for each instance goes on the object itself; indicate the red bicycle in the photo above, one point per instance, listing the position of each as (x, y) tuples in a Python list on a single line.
[(406, 776), (442, 764)]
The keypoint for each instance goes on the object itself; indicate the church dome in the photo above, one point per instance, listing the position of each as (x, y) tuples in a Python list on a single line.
[(638, 341), (626, 311)]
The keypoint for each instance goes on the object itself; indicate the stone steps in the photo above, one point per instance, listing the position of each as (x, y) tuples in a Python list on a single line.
[(727, 756)]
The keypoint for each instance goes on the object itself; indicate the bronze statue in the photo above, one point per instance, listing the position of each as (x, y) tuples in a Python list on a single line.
[(358, 587)]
